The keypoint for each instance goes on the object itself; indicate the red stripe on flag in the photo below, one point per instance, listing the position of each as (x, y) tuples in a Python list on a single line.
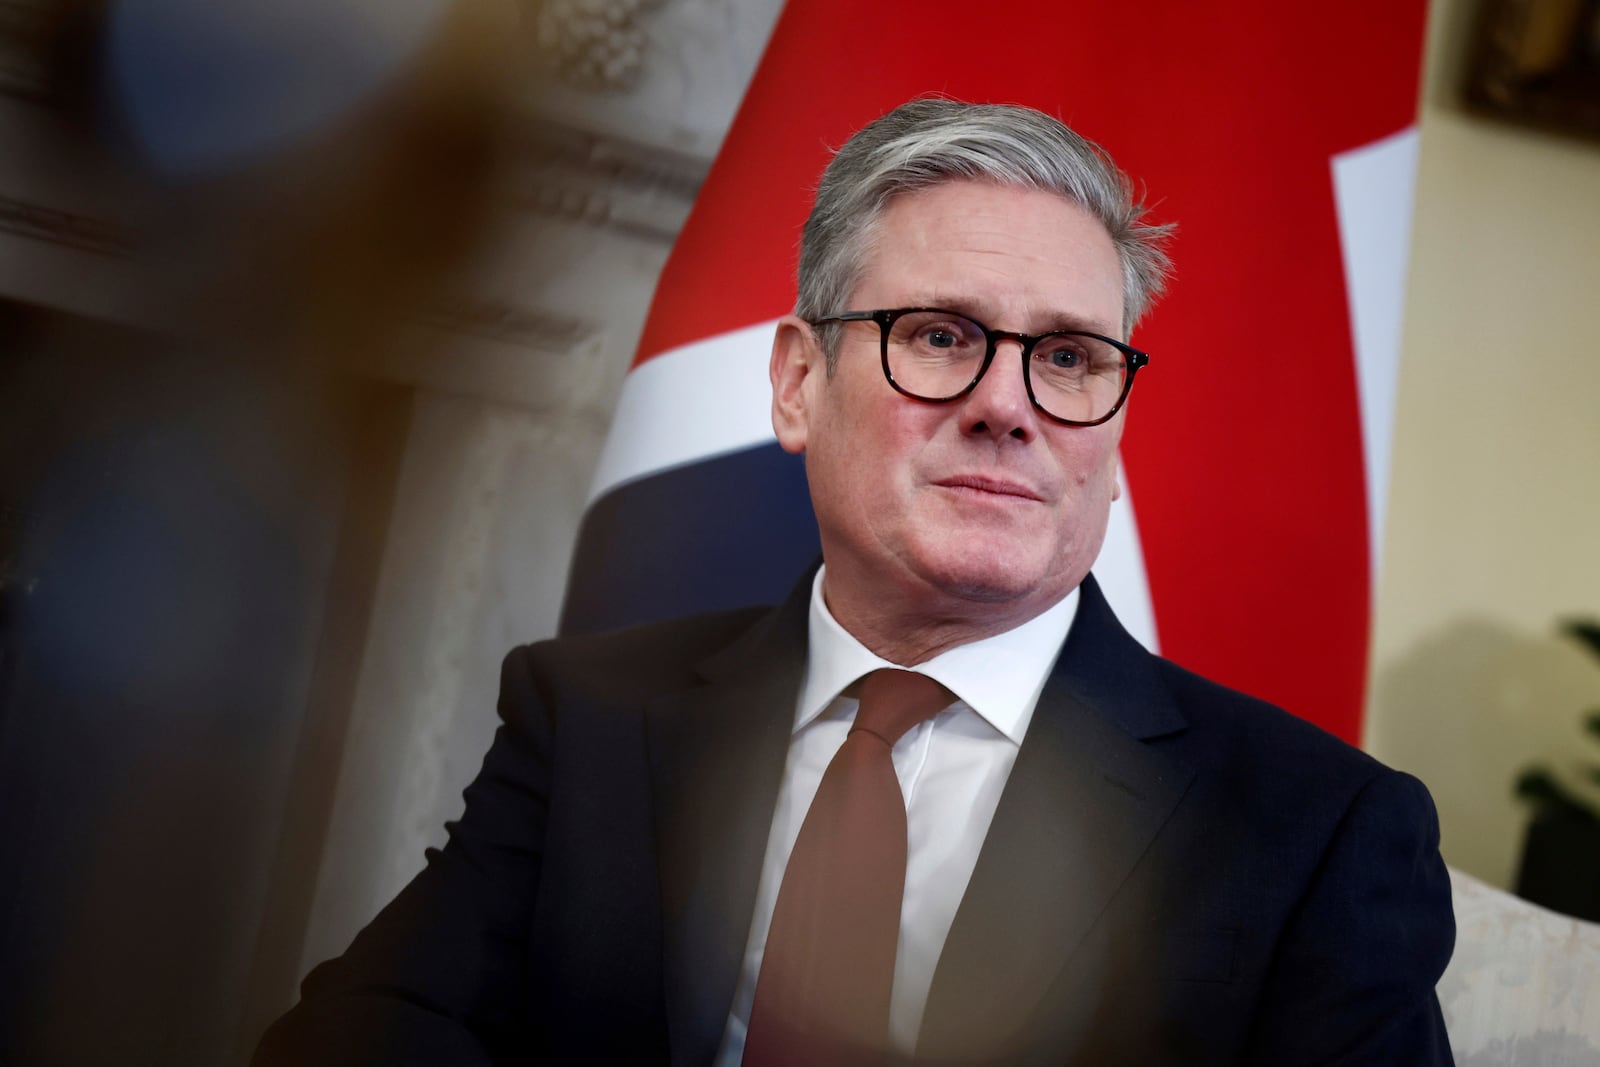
[(1243, 447)]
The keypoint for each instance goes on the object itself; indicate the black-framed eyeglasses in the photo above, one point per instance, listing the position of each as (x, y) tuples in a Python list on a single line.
[(934, 355)]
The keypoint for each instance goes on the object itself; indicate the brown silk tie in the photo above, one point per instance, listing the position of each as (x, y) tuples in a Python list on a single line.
[(822, 996)]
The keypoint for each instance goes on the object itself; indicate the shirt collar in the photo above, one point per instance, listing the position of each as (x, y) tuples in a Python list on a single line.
[(999, 677)]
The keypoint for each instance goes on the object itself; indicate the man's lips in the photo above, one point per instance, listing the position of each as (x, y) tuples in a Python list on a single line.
[(982, 483)]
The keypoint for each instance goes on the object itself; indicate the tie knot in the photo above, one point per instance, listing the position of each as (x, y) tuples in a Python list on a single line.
[(893, 701)]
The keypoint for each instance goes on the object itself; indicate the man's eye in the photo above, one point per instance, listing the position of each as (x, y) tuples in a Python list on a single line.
[(1065, 358), (939, 337)]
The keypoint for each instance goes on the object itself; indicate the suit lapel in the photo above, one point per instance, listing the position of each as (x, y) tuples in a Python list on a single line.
[(1083, 802), (716, 760)]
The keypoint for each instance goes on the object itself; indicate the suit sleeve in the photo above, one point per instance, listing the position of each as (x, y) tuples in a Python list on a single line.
[(440, 976), (1353, 981)]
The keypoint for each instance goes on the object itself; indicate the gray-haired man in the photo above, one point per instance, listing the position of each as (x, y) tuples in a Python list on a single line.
[(938, 805)]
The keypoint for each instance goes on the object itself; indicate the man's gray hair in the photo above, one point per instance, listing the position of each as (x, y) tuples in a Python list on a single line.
[(932, 140)]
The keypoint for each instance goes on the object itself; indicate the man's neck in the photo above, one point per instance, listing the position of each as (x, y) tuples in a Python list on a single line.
[(910, 634)]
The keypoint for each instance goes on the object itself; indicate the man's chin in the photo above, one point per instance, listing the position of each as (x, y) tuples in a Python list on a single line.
[(990, 583)]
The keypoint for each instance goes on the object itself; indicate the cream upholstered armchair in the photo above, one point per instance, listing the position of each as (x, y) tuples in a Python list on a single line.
[(1523, 988)]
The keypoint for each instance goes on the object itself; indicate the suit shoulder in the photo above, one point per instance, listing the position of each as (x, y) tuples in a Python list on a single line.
[(1239, 729), (1297, 787)]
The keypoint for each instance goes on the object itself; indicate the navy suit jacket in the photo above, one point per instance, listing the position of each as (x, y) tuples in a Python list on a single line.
[(1176, 874)]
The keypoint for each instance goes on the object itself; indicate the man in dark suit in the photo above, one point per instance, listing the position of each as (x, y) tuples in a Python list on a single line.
[(938, 805)]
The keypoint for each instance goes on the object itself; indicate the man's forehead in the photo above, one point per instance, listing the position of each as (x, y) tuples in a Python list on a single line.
[(994, 252)]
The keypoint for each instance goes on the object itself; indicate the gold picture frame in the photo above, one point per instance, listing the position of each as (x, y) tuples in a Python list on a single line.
[(1538, 62)]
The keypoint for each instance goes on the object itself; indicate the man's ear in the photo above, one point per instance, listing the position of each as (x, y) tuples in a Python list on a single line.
[(797, 368)]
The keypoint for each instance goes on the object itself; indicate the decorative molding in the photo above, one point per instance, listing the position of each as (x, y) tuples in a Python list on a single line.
[(584, 177), (495, 320), (592, 44), (596, 155), (697, 62), (64, 228), (637, 215)]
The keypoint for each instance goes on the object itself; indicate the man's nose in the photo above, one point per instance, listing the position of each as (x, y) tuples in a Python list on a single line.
[(999, 405)]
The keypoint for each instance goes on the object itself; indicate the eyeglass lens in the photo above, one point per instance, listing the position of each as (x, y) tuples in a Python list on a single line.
[(935, 355)]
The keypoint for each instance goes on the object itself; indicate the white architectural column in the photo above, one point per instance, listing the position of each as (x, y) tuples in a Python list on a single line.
[(509, 421)]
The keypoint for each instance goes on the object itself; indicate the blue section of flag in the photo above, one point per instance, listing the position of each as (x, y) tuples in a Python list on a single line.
[(723, 533)]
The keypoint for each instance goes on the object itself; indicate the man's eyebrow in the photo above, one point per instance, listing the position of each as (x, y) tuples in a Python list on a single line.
[(1079, 323), (1054, 322)]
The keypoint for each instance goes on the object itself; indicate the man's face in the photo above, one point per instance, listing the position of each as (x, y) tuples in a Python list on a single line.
[(981, 507)]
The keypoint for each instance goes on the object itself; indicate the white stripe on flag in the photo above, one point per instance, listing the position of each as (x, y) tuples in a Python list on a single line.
[(1374, 186), (1120, 571), (704, 399)]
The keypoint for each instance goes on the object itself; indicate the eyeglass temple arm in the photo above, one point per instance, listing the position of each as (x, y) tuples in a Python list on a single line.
[(850, 316)]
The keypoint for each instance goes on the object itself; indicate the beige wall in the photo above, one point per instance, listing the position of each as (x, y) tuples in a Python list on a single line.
[(1494, 518)]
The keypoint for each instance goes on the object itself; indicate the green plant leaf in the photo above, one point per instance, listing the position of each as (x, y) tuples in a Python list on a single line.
[(1585, 630)]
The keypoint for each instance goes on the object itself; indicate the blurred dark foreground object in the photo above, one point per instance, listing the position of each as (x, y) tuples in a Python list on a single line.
[(194, 504)]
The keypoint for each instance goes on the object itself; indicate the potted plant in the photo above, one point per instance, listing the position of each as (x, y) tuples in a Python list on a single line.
[(1561, 855)]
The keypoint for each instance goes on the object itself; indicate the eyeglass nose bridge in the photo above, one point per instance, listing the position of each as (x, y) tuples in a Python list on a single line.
[(1025, 345)]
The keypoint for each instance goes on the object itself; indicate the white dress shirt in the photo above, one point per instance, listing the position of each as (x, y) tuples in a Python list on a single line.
[(952, 769)]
